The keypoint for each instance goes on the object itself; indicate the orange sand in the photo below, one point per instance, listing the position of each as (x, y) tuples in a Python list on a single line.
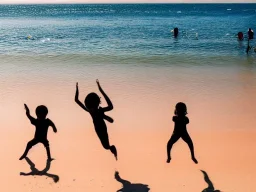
[(222, 127), (83, 165)]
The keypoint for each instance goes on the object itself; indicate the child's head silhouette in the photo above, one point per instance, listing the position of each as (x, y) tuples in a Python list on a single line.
[(92, 101), (41, 111), (180, 109)]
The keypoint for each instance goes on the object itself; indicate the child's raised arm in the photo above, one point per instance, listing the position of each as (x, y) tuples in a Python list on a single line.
[(77, 100), (110, 105), (32, 119), (53, 126)]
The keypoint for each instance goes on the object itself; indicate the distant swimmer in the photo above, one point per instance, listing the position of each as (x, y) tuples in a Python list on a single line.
[(175, 32), (250, 33), (30, 37), (196, 36), (240, 36)]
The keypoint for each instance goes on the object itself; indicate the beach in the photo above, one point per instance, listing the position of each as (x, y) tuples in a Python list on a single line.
[(144, 81), (221, 126), (145, 164)]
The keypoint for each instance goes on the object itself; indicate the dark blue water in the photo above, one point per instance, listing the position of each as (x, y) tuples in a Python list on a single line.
[(126, 30)]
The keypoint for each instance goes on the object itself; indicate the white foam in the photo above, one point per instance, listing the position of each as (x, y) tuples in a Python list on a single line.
[(44, 40)]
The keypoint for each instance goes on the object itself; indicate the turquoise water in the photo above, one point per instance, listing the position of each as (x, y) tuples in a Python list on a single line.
[(126, 33)]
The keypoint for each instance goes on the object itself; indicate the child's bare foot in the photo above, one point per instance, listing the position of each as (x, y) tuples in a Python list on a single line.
[(114, 151), (168, 160), (194, 159), (22, 157)]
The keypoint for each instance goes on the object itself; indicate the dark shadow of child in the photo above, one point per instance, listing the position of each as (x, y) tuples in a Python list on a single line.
[(130, 187), (210, 187), (35, 171)]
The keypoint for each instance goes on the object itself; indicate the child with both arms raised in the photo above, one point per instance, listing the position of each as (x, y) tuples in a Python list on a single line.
[(91, 105)]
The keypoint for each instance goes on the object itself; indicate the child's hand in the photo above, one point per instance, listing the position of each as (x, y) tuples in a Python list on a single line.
[(116, 174), (77, 91), (26, 107), (98, 83)]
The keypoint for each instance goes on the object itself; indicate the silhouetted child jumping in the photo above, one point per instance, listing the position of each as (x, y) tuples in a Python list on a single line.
[(180, 130), (41, 124), (92, 102)]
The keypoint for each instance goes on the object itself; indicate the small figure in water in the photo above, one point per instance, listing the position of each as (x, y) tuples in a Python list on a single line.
[(240, 36), (250, 33), (41, 124), (30, 37), (175, 32), (92, 102), (180, 130)]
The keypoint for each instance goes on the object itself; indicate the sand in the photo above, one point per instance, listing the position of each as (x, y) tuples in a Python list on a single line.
[(220, 104), (83, 165)]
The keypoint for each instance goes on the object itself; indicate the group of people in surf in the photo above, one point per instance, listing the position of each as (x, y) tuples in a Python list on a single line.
[(240, 37), (92, 106), (250, 36)]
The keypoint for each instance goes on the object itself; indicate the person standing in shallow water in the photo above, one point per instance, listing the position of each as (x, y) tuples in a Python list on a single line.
[(42, 124), (180, 130), (92, 102), (175, 32), (250, 33)]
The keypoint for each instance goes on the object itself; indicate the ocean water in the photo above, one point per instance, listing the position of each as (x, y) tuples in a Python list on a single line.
[(122, 33)]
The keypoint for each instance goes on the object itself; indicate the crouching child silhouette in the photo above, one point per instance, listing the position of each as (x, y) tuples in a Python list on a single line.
[(92, 102), (180, 131), (42, 124)]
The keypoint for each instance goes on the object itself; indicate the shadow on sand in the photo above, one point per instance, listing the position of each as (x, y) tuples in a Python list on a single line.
[(130, 187), (210, 187), (35, 171)]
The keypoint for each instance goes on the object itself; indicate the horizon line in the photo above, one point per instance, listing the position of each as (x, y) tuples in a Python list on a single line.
[(74, 3)]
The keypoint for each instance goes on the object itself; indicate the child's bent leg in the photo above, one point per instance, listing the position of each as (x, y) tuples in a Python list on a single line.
[(174, 138), (189, 141), (29, 146)]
